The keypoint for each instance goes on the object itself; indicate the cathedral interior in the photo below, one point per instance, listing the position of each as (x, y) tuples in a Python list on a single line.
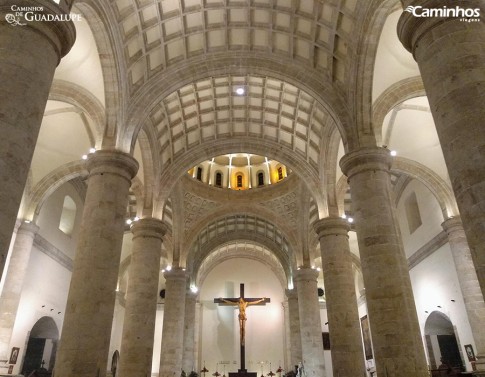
[(157, 154)]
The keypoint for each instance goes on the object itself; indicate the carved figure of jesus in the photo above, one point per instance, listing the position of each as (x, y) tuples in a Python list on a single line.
[(242, 304)]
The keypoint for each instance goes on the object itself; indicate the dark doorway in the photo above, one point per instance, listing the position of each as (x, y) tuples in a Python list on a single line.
[(449, 350), (41, 346), (33, 355), (441, 341)]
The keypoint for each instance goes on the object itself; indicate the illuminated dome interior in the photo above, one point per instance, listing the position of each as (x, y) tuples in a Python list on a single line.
[(239, 171)]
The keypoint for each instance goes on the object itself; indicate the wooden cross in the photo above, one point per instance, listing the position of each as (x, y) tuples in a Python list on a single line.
[(242, 302)]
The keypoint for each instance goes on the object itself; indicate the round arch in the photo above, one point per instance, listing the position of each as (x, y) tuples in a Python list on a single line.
[(98, 17), (376, 12), (438, 187), (394, 95), (50, 183), (82, 99), (249, 250)]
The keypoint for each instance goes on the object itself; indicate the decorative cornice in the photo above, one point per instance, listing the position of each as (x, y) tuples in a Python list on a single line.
[(53, 252), (427, 249)]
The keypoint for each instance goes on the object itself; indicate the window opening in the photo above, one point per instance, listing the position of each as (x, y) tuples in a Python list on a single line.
[(219, 179), (280, 173), (68, 215), (260, 178), (412, 213)]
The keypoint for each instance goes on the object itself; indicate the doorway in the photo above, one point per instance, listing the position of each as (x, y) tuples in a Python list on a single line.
[(441, 342), (41, 346)]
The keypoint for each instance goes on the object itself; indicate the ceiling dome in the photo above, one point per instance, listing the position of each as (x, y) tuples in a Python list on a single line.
[(239, 171)]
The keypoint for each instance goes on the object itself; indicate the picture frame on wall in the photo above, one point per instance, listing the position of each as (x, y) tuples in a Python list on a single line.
[(14, 355), (470, 353), (10, 369), (364, 324)]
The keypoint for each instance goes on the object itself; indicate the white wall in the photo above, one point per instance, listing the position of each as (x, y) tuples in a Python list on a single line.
[(50, 215), (435, 283), (431, 217), (264, 327), (44, 294), (434, 280), (46, 284)]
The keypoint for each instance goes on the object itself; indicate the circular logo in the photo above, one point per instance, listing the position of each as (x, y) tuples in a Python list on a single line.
[(12, 20)]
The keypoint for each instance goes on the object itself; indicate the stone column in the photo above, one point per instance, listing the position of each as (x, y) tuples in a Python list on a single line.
[(467, 277), (398, 349), (450, 56), (343, 315), (310, 323), (84, 345), (173, 324), (14, 279), (197, 337), (188, 359), (287, 337), (28, 58), (294, 329), (141, 298)]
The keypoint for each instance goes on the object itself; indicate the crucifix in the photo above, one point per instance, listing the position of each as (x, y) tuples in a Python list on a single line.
[(242, 302)]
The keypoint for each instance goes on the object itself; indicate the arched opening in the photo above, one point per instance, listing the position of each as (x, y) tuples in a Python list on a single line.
[(41, 347), (441, 343), (239, 181), (114, 363), (68, 215), (280, 173), (199, 174), (218, 179), (260, 178)]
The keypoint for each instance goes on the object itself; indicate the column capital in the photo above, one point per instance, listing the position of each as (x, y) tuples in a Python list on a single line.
[(60, 34), (112, 162), (175, 274), (306, 274), (364, 159), (453, 226), (149, 227), (331, 226), (412, 29), (28, 228), (291, 293)]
